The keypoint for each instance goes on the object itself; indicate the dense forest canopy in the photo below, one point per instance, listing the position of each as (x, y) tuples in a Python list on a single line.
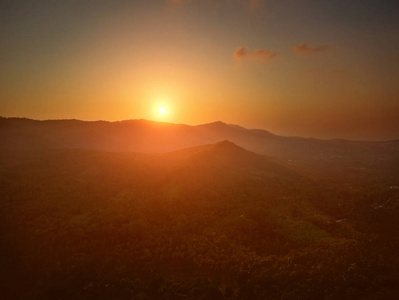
[(214, 221)]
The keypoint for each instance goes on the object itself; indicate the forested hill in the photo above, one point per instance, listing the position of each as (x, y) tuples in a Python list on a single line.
[(155, 137), (209, 222)]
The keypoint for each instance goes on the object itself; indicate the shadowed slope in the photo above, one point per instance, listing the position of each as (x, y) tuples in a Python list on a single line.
[(219, 171), (84, 224)]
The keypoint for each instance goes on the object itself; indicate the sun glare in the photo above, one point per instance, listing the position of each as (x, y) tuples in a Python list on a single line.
[(162, 110)]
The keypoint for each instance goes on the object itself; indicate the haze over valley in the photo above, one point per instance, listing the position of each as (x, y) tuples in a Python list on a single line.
[(156, 210), (199, 149)]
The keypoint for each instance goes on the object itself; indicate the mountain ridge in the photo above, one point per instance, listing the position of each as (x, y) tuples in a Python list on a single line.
[(146, 136), (219, 124)]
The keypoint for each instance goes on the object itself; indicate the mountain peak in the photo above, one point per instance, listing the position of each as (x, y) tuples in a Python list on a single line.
[(226, 144), (216, 124), (228, 147)]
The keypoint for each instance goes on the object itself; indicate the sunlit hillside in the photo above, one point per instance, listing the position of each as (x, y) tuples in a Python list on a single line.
[(214, 221), (199, 150)]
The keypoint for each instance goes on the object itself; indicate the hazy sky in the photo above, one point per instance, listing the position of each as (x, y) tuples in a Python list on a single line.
[(309, 68)]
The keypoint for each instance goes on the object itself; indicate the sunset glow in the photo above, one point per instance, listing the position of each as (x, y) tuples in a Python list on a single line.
[(199, 149), (317, 69)]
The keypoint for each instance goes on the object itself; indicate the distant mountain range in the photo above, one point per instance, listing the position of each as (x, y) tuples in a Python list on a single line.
[(156, 137), (120, 210)]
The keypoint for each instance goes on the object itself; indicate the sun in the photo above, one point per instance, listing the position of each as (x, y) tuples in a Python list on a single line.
[(161, 110)]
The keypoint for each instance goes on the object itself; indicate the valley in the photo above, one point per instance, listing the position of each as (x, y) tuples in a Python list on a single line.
[(212, 221)]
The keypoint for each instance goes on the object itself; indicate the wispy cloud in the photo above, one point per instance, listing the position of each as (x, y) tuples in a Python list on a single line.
[(305, 49), (258, 55)]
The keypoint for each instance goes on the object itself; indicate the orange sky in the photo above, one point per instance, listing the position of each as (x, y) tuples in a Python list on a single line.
[(317, 68)]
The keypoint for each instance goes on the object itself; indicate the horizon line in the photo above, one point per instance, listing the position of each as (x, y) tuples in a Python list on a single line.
[(208, 123)]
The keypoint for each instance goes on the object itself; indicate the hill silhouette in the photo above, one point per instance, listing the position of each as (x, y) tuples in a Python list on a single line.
[(221, 165), (155, 137)]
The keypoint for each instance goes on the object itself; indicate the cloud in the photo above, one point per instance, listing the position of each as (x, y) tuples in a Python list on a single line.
[(258, 55), (305, 49)]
